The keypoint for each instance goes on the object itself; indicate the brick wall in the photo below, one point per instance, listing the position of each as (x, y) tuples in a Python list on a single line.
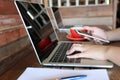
[(10, 20), (11, 35), (14, 42), (8, 7), (11, 29), (11, 26)]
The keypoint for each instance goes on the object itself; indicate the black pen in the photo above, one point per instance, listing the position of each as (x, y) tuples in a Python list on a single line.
[(77, 77)]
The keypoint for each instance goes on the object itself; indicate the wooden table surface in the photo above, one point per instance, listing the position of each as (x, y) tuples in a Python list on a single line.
[(30, 60)]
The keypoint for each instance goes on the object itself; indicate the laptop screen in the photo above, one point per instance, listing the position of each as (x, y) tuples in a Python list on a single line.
[(39, 27), (57, 16)]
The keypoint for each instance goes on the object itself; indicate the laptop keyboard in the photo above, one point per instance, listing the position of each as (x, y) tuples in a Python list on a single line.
[(60, 54)]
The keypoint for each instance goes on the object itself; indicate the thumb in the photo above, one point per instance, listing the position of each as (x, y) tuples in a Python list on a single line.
[(88, 28)]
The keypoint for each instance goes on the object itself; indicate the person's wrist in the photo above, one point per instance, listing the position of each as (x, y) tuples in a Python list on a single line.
[(107, 36), (107, 52)]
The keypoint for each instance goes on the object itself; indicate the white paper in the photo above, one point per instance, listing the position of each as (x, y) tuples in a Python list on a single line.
[(51, 74)]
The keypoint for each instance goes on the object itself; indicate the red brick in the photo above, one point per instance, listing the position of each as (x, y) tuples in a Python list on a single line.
[(7, 7), (23, 32), (3, 40), (10, 20), (12, 35)]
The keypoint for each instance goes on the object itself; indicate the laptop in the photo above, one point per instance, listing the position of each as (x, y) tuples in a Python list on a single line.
[(48, 49), (57, 16)]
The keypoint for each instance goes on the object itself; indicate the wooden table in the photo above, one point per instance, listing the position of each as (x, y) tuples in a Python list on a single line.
[(30, 60)]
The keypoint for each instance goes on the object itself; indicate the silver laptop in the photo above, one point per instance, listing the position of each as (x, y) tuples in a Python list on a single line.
[(49, 50), (57, 16)]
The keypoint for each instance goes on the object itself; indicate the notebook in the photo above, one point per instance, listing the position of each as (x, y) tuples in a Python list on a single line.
[(32, 73), (57, 16), (48, 49)]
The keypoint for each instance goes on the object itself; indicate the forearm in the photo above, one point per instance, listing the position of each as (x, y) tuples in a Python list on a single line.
[(113, 55), (113, 35)]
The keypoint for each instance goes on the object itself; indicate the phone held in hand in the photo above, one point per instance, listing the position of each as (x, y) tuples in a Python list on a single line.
[(85, 34)]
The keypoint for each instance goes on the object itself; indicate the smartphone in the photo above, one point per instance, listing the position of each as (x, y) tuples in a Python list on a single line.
[(90, 36)]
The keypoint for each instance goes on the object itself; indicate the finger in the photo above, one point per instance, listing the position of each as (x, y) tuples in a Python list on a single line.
[(87, 38), (71, 50), (90, 39), (98, 41), (101, 42), (74, 56), (89, 28), (74, 47), (80, 55)]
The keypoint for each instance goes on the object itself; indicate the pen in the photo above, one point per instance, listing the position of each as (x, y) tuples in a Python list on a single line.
[(77, 77)]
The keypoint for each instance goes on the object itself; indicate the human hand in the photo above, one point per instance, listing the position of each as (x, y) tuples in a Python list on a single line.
[(95, 31), (87, 51)]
